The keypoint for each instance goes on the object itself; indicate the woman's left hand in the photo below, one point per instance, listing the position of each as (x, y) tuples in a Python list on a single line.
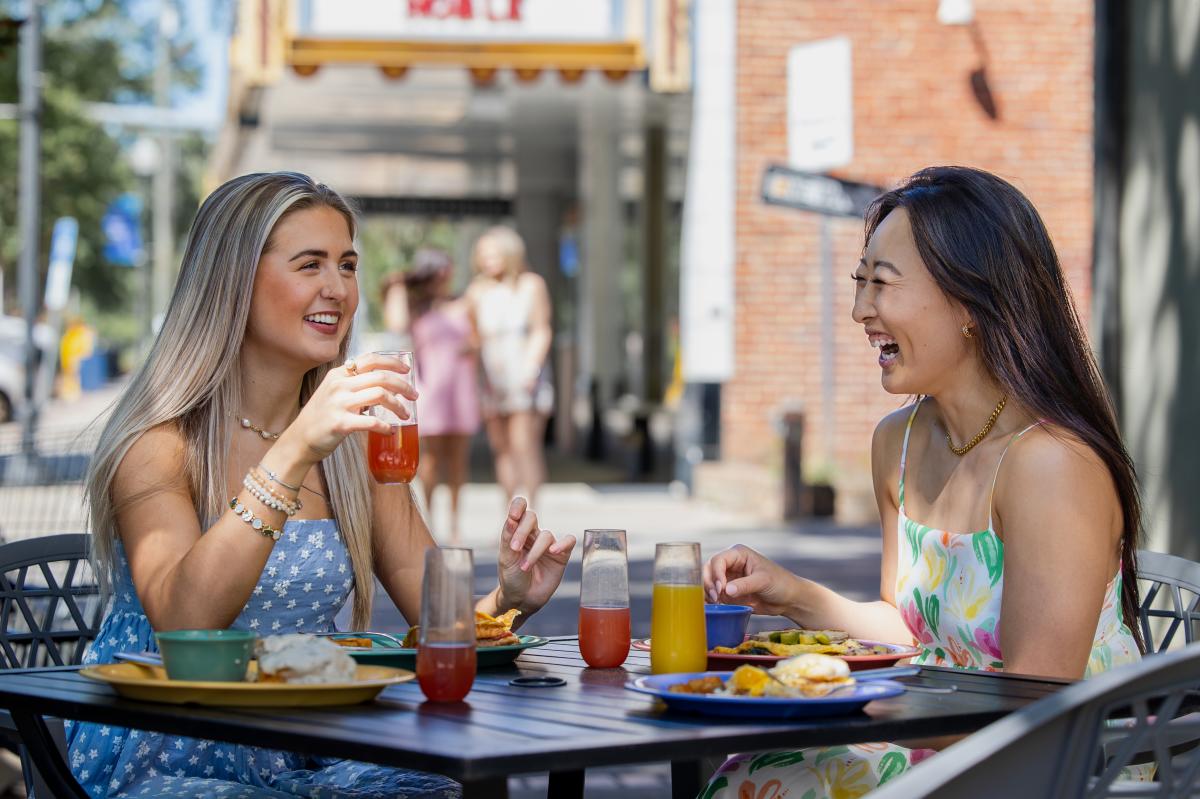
[(531, 561)]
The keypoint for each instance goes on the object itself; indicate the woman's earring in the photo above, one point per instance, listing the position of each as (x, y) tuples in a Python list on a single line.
[(966, 331)]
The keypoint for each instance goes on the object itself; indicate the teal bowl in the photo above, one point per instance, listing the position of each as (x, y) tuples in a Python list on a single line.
[(206, 655)]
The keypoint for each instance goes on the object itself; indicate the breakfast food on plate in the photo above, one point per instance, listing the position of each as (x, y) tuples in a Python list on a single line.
[(497, 630), (356, 642), (302, 659), (489, 630), (803, 676), (789, 643)]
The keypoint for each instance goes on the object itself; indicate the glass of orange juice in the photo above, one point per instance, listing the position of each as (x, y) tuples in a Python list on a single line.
[(677, 636)]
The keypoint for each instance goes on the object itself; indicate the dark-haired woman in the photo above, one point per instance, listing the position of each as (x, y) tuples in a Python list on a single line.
[(446, 346), (1009, 505)]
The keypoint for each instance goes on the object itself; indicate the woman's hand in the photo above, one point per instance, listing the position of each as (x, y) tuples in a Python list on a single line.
[(742, 576), (531, 561), (335, 410)]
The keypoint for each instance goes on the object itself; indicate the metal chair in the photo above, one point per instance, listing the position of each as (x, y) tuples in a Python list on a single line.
[(1166, 576), (1076, 742), (51, 609)]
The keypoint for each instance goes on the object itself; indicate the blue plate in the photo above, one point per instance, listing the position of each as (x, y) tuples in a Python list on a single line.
[(847, 700), (385, 652)]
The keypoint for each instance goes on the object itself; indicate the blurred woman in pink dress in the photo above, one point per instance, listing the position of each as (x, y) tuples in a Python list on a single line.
[(445, 344)]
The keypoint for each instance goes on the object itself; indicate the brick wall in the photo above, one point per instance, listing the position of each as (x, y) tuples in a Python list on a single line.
[(914, 106)]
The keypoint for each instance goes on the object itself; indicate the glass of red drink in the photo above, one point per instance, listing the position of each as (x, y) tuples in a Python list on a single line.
[(604, 599), (446, 644), (393, 456)]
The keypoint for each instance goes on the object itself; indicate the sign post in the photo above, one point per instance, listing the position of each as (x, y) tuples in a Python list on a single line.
[(829, 197), (58, 291)]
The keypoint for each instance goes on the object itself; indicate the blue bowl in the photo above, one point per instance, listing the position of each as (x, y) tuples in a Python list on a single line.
[(725, 625)]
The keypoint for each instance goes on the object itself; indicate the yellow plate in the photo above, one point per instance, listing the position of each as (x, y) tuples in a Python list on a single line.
[(150, 683)]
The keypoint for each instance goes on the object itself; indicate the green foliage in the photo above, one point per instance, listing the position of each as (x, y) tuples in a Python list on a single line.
[(92, 51), (388, 245)]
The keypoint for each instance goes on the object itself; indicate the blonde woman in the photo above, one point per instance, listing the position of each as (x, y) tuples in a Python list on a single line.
[(230, 489), (511, 307)]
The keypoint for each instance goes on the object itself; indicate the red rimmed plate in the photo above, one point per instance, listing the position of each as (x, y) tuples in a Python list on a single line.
[(721, 662)]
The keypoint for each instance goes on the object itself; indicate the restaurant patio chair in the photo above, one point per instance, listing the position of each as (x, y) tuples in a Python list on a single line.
[(1076, 742), (1168, 576), (51, 608)]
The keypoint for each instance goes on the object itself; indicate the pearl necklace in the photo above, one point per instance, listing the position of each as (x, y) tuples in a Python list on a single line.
[(267, 434)]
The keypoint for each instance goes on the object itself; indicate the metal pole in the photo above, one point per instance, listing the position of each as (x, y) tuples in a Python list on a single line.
[(828, 437), (29, 200), (162, 183)]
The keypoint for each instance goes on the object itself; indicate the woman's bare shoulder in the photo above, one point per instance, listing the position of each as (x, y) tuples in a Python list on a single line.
[(156, 458)]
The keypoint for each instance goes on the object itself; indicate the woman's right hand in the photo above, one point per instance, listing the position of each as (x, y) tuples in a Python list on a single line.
[(336, 408), (739, 575)]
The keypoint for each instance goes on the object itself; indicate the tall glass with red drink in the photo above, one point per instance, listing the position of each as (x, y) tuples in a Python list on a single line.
[(446, 644), (393, 456), (604, 599)]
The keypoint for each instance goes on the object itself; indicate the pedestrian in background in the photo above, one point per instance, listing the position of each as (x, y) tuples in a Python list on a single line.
[(420, 303), (511, 306)]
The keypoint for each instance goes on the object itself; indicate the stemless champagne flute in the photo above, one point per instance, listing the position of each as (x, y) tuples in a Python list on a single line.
[(604, 599), (393, 456), (446, 644), (677, 637)]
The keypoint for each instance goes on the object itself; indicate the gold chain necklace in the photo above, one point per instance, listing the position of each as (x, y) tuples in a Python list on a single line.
[(987, 428)]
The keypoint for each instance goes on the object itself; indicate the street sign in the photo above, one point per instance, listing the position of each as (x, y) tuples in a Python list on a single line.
[(820, 105), (122, 231), (62, 258), (818, 193)]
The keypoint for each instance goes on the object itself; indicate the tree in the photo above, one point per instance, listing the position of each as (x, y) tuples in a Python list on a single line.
[(92, 52)]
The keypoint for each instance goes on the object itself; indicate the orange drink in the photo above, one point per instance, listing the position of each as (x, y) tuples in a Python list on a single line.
[(393, 456), (604, 599), (677, 637), (604, 636), (446, 672)]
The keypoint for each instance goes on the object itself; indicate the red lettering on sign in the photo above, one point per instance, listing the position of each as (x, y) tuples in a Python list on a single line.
[(494, 10), (440, 9)]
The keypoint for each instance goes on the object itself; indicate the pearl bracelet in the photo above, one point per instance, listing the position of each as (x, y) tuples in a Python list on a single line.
[(263, 485), (268, 499), (247, 515)]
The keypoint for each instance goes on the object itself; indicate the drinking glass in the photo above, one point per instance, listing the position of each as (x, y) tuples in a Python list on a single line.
[(677, 637), (393, 456), (604, 599), (446, 643)]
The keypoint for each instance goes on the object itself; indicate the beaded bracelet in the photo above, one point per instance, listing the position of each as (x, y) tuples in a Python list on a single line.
[(270, 500), (247, 515), (264, 485)]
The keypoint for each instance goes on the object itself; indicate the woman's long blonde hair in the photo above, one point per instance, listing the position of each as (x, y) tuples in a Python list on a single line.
[(191, 377), (509, 244)]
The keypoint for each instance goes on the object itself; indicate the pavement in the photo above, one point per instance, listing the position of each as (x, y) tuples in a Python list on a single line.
[(578, 496)]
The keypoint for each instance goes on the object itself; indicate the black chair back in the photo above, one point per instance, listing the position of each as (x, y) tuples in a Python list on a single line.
[(1173, 585), (49, 600)]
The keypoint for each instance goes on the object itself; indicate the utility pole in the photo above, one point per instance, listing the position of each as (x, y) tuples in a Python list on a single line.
[(29, 201), (163, 189)]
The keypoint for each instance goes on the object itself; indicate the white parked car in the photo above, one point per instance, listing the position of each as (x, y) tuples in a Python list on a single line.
[(12, 388)]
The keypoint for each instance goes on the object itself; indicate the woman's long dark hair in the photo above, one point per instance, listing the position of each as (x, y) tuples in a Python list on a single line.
[(987, 247)]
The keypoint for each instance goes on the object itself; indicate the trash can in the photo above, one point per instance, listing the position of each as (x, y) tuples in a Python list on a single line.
[(93, 371)]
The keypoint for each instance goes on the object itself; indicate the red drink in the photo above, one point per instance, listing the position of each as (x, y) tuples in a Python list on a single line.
[(604, 636), (446, 671), (393, 456)]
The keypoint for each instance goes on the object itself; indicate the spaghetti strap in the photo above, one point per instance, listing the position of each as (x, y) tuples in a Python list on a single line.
[(996, 474), (904, 449)]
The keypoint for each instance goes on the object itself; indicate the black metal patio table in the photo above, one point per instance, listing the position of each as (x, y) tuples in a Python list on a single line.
[(503, 730)]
